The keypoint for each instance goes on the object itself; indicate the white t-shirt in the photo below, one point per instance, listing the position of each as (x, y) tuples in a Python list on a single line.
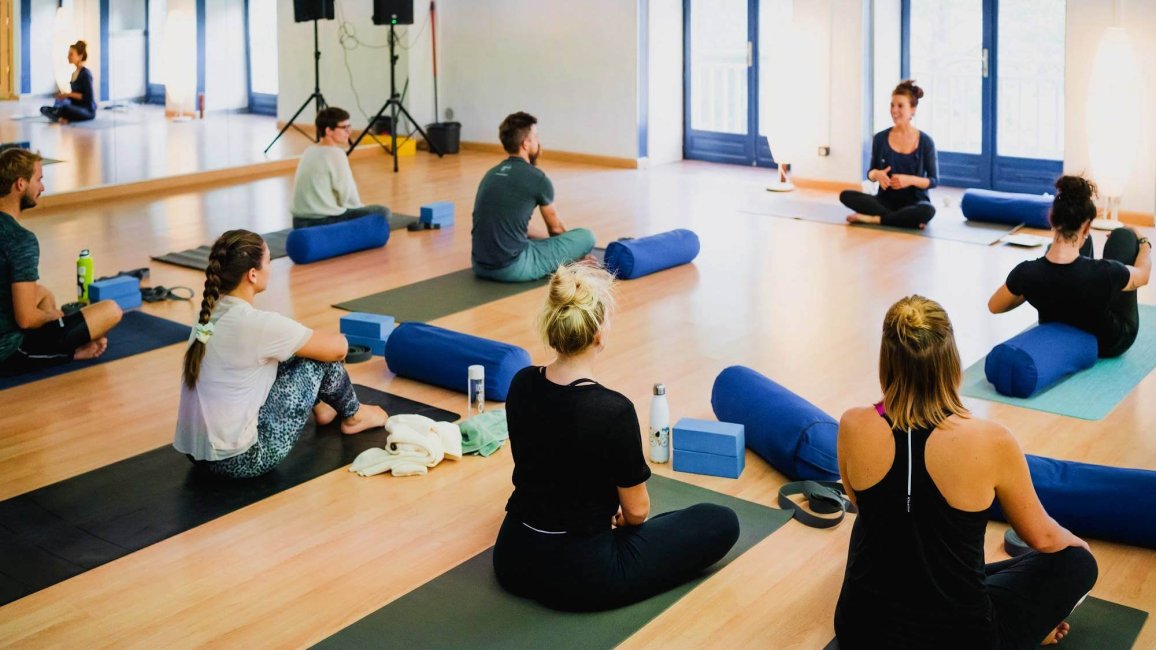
[(323, 185), (218, 418)]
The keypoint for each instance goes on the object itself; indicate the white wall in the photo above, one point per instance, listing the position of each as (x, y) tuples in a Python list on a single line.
[(571, 64), (1086, 21), (370, 66), (887, 61), (665, 120)]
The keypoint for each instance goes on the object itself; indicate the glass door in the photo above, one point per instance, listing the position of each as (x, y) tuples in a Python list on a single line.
[(993, 76), (719, 80)]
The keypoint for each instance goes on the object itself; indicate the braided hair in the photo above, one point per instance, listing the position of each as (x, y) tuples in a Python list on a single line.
[(234, 254)]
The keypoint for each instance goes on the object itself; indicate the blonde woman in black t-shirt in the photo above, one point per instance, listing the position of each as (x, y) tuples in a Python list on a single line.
[(1067, 286), (577, 534)]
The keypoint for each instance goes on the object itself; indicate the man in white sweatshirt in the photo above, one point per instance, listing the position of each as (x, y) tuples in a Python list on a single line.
[(323, 189)]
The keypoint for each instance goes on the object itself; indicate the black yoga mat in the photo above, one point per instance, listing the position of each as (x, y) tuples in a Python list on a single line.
[(62, 530), (137, 332), (198, 258), (1096, 625), (947, 224), (466, 608), (441, 296)]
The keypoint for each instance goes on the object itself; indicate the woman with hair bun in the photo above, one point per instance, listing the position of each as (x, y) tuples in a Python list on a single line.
[(1067, 286), (924, 474), (576, 535), (251, 377), (78, 105), (904, 163)]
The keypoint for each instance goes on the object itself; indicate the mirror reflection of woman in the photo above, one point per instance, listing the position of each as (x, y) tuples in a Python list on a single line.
[(79, 104)]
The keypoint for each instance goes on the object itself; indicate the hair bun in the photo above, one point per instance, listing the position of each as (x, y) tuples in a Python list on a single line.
[(1075, 189), (915, 90)]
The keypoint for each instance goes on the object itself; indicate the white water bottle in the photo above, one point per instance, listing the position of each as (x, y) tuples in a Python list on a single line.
[(659, 426), (476, 391)]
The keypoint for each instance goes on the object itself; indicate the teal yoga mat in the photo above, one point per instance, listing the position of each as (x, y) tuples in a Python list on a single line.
[(1090, 394), (466, 608), (1096, 625)]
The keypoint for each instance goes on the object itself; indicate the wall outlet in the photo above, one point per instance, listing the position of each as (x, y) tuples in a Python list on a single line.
[(824, 151)]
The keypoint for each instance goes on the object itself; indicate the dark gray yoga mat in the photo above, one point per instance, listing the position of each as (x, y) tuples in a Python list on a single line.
[(466, 608), (441, 296), (62, 530), (1096, 625), (947, 224), (198, 258)]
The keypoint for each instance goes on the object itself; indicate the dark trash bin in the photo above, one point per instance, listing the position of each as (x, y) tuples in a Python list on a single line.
[(446, 136)]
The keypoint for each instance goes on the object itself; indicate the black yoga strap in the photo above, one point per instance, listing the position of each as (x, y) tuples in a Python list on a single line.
[(823, 497)]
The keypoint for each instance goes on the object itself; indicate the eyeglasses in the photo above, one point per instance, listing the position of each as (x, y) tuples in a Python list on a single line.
[(347, 127)]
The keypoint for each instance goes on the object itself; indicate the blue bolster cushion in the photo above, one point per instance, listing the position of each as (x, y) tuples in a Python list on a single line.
[(306, 245), (1109, 503), (787, 431), (438, 356), (1008, 208), (634, 258), (1037, 358)]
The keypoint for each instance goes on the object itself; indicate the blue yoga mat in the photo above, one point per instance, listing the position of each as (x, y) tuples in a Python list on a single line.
[(137, 332), (1089, 394)]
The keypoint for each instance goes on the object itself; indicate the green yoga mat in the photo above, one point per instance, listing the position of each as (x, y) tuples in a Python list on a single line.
[(1089, 394), (1096, 625), (947, 224), (466, 608), (441, 296)]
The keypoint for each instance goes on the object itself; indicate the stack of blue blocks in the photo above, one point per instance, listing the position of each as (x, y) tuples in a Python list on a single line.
[(709, 447), (370, 330), (439, 214), (124, 289)]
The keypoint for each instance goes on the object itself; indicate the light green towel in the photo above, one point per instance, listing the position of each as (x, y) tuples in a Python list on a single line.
[(484, 434)]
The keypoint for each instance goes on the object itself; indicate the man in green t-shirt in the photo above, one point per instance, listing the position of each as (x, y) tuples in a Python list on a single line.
[(506, 247), (34, 333)]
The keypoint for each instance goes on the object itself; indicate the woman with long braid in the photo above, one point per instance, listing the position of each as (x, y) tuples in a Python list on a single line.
[(251, 377)]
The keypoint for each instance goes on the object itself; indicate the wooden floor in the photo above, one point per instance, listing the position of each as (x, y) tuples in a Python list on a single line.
[(800, 302)]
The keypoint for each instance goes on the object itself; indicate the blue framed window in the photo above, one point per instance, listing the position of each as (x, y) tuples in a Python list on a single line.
[(993, 75)]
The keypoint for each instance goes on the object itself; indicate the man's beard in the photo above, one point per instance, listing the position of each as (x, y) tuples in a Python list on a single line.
[(27, 202), (534, 156)]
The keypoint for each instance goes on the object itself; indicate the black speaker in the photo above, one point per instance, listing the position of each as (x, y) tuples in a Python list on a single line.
[(307, 10), (392, 12)]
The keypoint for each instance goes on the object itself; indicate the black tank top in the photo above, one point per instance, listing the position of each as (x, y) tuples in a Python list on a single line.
[(915, 567)]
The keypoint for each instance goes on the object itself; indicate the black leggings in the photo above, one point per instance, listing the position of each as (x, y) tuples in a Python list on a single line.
[(613, 568), (901, 216), (1033, 593), (1123, 246)]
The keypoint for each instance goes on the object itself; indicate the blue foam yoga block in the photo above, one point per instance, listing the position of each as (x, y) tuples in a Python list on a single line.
[(376, 346), (790, 433), (1010, 208), (634, 258), (709, 437), (1109, 503), (305, 245), (124, 285), (696, 462), (1038, 358), (439, 356), (441, 213), (372, 326)]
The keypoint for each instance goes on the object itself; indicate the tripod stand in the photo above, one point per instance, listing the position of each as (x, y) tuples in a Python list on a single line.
[(316, 96), (394, 106)]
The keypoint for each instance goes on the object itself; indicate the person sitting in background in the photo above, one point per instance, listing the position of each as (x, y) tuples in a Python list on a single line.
[(34, 332), (78, 105), (251, 377), (1067, 286), (323, 189), (506, 246)]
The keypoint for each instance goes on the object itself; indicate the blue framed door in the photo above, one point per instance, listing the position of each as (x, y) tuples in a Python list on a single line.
[(996, 120), (721, 82)]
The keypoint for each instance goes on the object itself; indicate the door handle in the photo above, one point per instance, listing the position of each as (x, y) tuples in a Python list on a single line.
[(983, 59), (750, 54)]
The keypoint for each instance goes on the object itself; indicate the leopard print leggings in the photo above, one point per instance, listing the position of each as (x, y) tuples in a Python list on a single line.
[(300, 384)]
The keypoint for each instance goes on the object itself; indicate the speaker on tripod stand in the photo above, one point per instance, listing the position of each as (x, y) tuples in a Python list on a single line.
[(305, 11)]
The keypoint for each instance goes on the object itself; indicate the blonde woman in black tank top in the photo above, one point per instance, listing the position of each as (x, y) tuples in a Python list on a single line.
[(924, 473)]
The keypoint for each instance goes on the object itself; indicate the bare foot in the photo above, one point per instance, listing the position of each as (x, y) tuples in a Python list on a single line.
[(91, 350), (1059, 633), (863, 218), (367, 417), (324, 414), (62, 120)]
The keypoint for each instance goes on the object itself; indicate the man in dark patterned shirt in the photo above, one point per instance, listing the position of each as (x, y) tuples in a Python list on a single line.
[(34, 333)]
